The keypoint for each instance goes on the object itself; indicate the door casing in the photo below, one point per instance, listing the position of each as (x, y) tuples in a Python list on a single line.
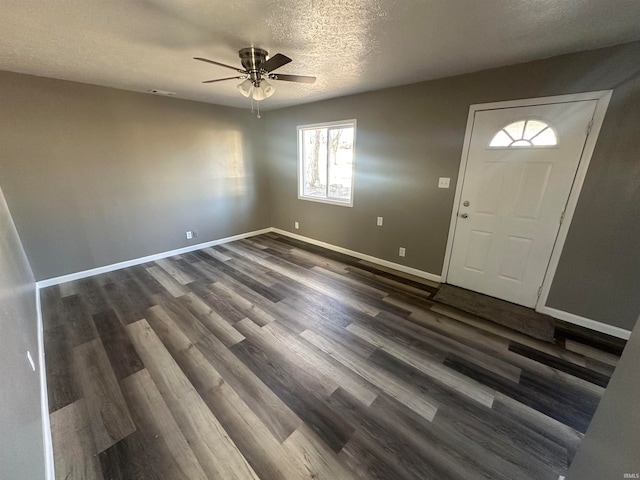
[(602, 97)]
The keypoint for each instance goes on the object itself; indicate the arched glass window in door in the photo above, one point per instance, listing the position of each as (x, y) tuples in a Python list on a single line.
[(528, 133)]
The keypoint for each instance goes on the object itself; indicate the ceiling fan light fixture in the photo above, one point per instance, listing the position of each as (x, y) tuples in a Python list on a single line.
[(245, 87), (268, 88), (258, 93)]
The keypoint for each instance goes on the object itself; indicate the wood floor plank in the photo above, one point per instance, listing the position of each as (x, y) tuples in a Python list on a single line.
[(313, 303), (211, 320), (367, 459), (255, 442), (209, 272), (75, 458), (174, 271), (282, 346), (122, 356), (225, 307), (560, 364), (314, 456), (313, 281), (390, 285), (457, 340), (108, 412), (421, 361), (69, 288), (347, 379), (146, 283), (351, 282), (511, 441), (272, 411), (247, 307), (169, 284), (530, 392), (78, 323), (127, 299), (276, 415), (131, 458), (255, 271), (446, 443), (62, 385), (540, 423), (158, 426), (215, 451), (187, 321), (244, 279), (216, 254), (394, 387), (333, 430), (416, 457), (326, 263), (93, 295)]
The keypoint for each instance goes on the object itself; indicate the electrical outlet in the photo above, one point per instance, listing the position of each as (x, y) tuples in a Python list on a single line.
[(402, 252), (296, 225), (31, 362), (443, 182), (189, 235), (379, 222)]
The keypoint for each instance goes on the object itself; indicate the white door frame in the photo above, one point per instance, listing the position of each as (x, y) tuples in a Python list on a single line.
[(602, 97)]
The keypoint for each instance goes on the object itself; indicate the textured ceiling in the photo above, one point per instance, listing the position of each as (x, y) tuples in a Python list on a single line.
[(350, 45)]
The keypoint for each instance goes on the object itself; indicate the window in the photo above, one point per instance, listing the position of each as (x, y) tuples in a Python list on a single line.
[(525, 133), (326, 158)]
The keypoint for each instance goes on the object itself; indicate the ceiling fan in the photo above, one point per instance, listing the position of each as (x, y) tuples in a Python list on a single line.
[(257, 67)]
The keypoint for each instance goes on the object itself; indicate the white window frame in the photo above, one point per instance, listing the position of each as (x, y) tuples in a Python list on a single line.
[(329, 126)]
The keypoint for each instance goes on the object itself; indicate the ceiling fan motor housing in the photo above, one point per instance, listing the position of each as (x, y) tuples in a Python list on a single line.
[(251, 59)]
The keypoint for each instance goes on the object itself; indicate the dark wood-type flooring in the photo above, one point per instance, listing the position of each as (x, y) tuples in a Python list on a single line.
[(268, 358)]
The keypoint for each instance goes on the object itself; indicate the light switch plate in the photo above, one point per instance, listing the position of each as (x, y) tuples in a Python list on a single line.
[(379, 222), (443, 182)]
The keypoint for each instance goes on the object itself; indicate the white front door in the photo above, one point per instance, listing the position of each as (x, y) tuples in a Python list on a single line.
[(521, 165)]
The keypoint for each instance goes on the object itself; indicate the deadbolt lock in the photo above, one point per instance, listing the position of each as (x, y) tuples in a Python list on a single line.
[(466, 203)]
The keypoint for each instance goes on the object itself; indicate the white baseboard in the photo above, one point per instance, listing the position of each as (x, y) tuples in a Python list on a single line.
[(137, 261), (362, 256), (49, 468), (586, 322)]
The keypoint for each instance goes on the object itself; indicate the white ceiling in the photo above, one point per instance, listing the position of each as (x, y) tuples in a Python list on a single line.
[(350, 45)]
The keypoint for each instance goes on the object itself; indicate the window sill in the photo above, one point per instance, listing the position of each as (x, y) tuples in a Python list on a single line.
[(327, 201)]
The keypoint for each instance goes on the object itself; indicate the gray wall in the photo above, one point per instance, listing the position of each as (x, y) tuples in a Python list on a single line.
[(95, 176), (21, 448), (409, 136), (611, 447)]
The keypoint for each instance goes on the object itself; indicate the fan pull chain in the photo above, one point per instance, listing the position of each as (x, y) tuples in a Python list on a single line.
[(258, 104)]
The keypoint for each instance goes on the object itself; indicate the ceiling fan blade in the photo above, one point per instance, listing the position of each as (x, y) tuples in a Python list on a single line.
[(274, 62), (222, 79), (292, 78), (219, 64)]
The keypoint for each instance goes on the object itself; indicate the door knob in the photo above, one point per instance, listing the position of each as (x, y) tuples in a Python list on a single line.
[(464, 215)]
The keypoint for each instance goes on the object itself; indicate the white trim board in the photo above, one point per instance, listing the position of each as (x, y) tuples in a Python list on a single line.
[(150, 258), (566, 316), (586, 322), (49, 468), (362, 256), (603, 99)]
